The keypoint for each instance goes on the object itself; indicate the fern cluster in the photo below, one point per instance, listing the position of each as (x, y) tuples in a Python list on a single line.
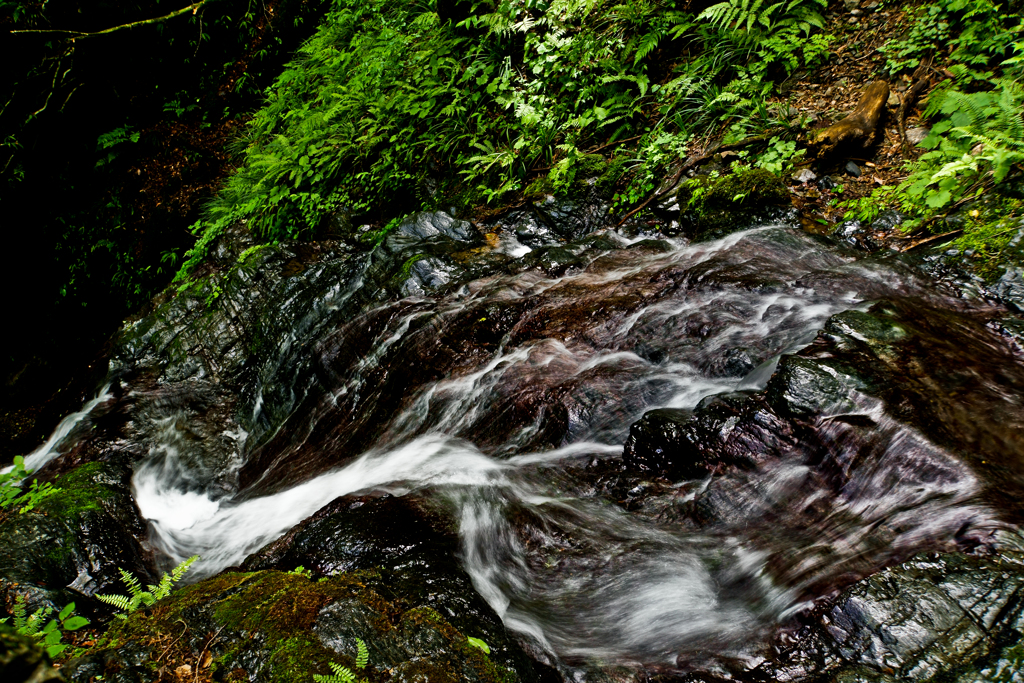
[(763, 16), (137, 597), (343, 674)]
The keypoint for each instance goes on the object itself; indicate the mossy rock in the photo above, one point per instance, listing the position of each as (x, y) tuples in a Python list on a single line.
[(713, 206), (278, 626), (22, 660), (73, 542)]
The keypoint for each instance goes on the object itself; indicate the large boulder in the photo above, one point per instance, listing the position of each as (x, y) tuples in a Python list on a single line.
[(72, 544), (22, 659), (283, 627)]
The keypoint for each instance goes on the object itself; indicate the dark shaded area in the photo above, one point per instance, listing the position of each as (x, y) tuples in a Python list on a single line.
[(108, 146)]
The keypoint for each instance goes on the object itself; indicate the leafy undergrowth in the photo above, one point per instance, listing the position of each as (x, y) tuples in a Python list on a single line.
[(392, 105), (392, 108), (964, 178)]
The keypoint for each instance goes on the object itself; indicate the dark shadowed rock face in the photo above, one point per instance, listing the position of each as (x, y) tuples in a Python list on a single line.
[(22, 660), (410, 537), (69, 548), (489, 392), (934, 618)]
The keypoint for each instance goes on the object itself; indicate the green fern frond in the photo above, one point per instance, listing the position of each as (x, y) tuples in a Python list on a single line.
[(363, 656), (647, 44), (133, 584), (122, 602), (342, 674)]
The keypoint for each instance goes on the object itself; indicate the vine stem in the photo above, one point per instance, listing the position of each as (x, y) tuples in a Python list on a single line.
[(193, 8)]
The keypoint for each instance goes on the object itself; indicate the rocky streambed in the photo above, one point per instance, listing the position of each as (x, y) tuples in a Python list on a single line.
[(611, 457)]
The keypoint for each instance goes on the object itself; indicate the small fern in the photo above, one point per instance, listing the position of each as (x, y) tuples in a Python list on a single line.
[(363, 655), (748, 15), (137, 597), (343, 674), (49, 632)]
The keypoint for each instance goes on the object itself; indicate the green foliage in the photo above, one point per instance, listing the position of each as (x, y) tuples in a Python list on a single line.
[(387, 102), (992, 232), (976, 144), (137, 597), (479, 644), (977, 33), (14, 497), (39, 625), (780, 156), (343, 674), (765, 17)]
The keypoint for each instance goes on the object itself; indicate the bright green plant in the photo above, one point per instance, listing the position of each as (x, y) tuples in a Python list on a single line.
[(479, 644), (39, 625), (144, 598), (343, 674), (976, 145), (763, 16), (780, 156), (13, 497)]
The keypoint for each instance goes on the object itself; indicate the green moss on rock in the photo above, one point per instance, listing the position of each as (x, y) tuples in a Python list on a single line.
[(715, 205), (276, 626)]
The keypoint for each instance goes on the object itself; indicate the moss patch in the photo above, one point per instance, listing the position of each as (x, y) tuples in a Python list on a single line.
[(267, 626), (715, 205)]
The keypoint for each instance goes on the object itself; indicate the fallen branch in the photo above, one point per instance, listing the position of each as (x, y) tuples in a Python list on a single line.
[(929, 240), (860, 125), (909, 99), (194, 8)]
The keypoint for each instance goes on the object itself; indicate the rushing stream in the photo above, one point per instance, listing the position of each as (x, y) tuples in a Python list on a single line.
[(506, 396)]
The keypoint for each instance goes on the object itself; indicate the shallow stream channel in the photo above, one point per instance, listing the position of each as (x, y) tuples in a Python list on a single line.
[(761, 457)]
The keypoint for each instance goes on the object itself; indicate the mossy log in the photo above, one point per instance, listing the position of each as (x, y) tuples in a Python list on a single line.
[(859, 127)]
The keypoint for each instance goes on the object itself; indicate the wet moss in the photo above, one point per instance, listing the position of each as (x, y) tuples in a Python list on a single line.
[(84, 489), (714, 205), (265, 626)]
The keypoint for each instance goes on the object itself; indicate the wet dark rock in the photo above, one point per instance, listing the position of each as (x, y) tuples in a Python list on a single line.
[(826, 183), (713, 207), (802, 388), (655, 442), (555, 261), (852, 169), (723, 430), (887, 221), (934, 618), (425, 224), (283, 627), (409, 541), (528, 228), (571, 219), (72, 544), (22, 659), (1010, 287)]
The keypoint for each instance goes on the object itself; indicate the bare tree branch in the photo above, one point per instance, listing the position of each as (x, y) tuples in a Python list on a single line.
[(194, 8)]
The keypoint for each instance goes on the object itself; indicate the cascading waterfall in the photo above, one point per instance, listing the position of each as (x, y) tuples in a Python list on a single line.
[(595, 582)]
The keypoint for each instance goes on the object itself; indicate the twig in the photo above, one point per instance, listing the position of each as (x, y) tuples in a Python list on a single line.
[(929, 240), (199, 662), (909, 99), (612, 144), (180, 621), (82, 34)]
